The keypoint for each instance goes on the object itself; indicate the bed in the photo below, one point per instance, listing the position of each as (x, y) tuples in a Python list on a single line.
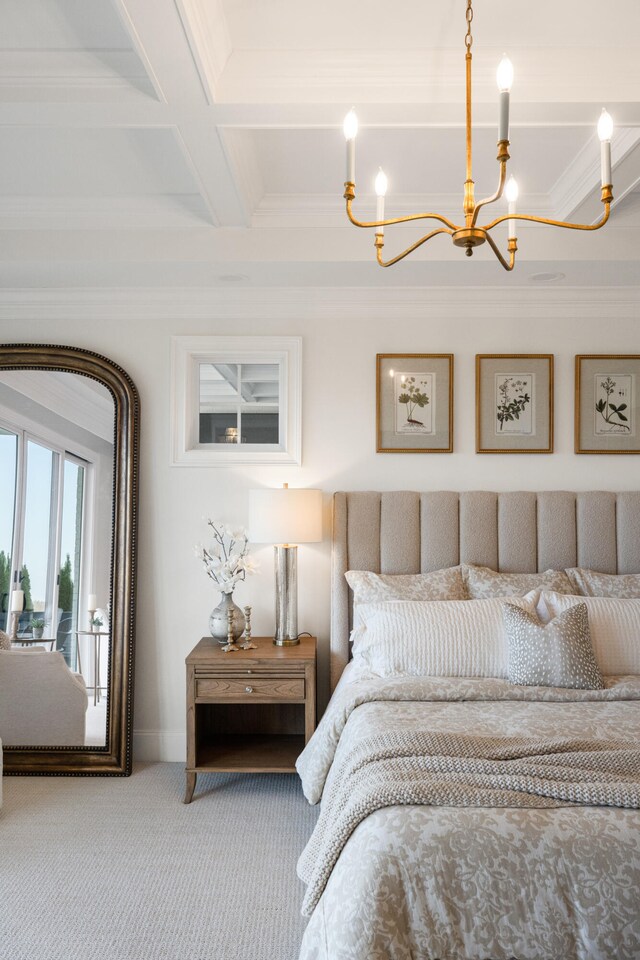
[(465, 817)]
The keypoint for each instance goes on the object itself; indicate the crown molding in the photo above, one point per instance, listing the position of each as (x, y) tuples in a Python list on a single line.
[(161, 211), (295, 303), (42, 74)]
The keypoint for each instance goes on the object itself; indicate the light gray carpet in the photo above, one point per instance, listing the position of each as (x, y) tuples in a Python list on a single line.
[(120, 869)]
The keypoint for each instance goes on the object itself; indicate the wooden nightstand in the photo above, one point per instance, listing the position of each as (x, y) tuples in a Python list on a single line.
[(250, 711)]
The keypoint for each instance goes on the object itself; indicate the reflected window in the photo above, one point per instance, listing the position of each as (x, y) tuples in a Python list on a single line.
[(41, 539), (8, 478)]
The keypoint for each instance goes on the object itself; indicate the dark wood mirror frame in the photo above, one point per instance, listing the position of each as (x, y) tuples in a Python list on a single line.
[(115, 757)]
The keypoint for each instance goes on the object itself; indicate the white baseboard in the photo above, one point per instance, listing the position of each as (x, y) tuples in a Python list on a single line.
[(166, 745)]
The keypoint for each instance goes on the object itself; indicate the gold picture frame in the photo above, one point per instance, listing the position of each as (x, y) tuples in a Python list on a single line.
[(607, 407), (414, 402), (514, 403)]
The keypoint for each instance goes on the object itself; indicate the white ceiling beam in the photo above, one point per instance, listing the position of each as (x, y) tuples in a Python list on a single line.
[(159, 31), (206, 28)]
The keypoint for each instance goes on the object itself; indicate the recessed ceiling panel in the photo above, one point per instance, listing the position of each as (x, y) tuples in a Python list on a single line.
[(81, 162), (430, 161), (67, 49), (61, 25)]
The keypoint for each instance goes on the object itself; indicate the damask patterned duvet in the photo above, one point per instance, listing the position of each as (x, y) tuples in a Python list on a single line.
[(547, 876)]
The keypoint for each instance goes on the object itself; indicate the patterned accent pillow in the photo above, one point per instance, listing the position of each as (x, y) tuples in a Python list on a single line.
[(446, 584), (556, 654), (5, 641), (590, 583), (482, 582)]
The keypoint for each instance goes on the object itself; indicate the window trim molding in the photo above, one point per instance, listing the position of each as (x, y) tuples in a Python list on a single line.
[(186, 355)]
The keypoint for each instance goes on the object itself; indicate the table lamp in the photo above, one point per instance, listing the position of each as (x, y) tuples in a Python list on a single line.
[(285, 518)]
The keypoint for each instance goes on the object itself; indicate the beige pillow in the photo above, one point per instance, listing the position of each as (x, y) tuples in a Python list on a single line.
[(446, 584), (482, 582), (556, 654), (590, 583)]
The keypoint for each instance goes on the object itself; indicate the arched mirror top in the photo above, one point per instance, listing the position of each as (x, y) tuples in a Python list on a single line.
[(67, 559)]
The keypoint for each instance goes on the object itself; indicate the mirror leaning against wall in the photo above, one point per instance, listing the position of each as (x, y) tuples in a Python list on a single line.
[(69, 423)]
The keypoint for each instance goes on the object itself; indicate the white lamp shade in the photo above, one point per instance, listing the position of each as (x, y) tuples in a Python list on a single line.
[(285, 516)]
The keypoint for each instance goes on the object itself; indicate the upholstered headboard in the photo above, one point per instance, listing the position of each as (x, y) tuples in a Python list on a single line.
[(407, 532)]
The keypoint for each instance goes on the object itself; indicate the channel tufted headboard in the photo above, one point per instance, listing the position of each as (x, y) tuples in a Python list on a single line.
[(408, 532)]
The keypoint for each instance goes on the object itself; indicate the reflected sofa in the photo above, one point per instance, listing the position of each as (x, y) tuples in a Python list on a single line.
[(42, 702)]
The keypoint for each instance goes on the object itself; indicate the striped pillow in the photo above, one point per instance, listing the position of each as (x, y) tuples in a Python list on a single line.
[(454, 638)]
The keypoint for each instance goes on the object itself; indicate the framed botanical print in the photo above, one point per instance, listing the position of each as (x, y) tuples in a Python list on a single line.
[(414, 397), (607, 412), (514, 403)]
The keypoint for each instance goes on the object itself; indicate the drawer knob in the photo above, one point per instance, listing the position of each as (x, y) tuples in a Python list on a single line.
[(249, 689), (249, 671)]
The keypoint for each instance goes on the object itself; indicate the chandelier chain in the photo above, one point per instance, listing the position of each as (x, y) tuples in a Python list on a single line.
[(468, 40)]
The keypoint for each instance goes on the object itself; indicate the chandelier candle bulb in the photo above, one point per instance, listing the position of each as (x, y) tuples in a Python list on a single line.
[(503, 125), (350, 128), (504, 77), (381, 189), (511, 193), (605, 132)]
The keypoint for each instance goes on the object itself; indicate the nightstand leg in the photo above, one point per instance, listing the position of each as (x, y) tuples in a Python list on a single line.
[(191, 785)]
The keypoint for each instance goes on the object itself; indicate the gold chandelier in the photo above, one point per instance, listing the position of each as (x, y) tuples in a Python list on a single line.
[(470, 234)]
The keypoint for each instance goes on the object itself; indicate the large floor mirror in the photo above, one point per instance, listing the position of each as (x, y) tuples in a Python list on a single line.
[(69, 423)]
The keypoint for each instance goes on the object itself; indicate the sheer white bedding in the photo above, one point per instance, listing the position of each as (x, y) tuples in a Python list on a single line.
[(469, 883)]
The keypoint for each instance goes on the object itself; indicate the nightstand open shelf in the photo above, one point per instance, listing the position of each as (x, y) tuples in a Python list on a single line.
[(249, 711), (251, 753)]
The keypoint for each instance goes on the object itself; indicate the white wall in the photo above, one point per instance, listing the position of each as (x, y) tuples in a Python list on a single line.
[(342, 331)]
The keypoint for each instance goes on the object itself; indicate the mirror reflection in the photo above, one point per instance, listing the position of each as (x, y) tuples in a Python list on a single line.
[(56, 497), (239, 403)]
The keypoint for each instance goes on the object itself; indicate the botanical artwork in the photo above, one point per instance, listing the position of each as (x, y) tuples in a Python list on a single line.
[(613, 409), (414, 395), (514, 404)]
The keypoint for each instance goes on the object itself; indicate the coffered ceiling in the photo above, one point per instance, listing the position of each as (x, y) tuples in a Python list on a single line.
[(199, 142)]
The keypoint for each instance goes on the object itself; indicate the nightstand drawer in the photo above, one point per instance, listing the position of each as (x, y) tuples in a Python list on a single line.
[(251, 688)]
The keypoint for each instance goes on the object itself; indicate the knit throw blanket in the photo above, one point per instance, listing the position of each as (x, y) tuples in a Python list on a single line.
[(456, 770)]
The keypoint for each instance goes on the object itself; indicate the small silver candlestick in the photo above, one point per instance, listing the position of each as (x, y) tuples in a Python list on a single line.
[(248, 643), (230, 644)]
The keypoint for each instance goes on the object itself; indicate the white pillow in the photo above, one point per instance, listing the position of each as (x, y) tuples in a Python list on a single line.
[(614, 624), (443, 638)]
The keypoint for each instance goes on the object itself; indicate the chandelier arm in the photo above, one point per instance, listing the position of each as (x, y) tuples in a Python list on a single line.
[(386, 223), (554, 223), (494, 196), (414, 246), (512, 252)]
